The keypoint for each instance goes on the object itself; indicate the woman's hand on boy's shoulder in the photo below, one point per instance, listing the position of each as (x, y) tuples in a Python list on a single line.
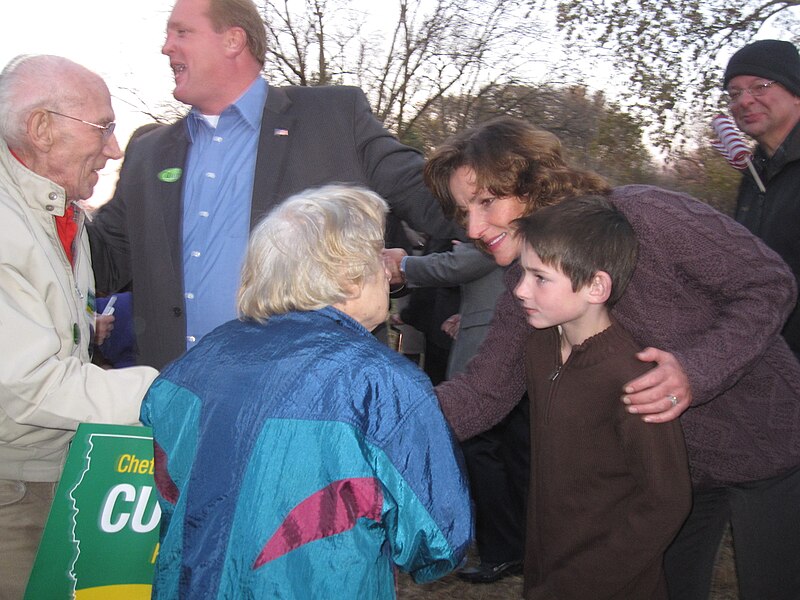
[(661, 394)]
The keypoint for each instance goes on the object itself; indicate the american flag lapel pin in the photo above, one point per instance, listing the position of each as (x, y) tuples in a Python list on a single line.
[(281, 132)]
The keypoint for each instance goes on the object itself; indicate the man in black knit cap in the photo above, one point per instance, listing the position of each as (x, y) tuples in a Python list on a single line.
[(762, 81)]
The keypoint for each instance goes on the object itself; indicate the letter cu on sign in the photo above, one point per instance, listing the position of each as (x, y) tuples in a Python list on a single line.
[(117, 514)]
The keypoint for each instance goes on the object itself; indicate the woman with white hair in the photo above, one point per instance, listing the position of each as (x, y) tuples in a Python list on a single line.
[(296, 456)]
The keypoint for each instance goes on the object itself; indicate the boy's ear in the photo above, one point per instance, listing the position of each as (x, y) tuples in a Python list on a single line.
[(600, 288)]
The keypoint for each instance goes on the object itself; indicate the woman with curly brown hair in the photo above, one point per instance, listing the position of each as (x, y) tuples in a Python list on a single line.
[(707, 302)]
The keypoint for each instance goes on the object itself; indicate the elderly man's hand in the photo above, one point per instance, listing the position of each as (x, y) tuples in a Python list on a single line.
[(661, 394), (103, 327), (392, 258)]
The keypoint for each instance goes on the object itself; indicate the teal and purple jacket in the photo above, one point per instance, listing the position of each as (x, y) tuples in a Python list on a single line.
[(301, 458)]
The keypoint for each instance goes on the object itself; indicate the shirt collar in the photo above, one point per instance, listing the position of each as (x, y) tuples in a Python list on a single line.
[(249, 107), (39, 192), (343, 319), (788, 151)]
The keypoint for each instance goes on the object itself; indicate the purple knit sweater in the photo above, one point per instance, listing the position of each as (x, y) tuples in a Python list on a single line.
[(704, 289)]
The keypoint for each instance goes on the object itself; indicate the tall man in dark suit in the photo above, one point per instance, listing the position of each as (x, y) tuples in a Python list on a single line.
[(189, 193)]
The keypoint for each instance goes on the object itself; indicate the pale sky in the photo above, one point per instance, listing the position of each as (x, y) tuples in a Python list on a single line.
[(119, 40)]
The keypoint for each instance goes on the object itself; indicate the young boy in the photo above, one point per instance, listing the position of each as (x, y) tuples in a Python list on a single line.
[(608, 492)]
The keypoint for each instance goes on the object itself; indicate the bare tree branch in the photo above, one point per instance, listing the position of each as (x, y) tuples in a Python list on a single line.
[(671, 52)]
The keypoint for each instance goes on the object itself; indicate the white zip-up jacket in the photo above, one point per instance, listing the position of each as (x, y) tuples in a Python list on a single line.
[(47, 382)]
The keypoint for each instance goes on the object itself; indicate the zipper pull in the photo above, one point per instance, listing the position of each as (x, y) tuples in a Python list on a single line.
[(555, 373)]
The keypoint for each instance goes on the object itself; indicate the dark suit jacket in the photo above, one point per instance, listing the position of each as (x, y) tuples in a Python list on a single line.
[(309, 137), (481, 281)]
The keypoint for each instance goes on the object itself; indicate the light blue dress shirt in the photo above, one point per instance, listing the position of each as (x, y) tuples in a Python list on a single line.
[(217, 194)]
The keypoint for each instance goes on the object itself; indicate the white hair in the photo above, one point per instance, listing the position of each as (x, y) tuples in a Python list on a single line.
[(33, 81), (311, 249)]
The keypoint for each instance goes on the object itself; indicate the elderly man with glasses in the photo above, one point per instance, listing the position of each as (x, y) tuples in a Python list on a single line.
[(57, 130)]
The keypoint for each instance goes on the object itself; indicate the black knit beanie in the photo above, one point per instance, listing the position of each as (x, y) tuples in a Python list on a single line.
[(771, 59)]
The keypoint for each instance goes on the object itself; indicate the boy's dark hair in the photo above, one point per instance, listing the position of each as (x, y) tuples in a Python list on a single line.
[(581, 236)]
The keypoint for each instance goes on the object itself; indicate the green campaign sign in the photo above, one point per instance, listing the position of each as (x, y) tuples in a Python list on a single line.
[(101, 538)]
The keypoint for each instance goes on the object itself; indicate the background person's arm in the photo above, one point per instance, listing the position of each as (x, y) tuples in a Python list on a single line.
[(463, 264), (494, 380)]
